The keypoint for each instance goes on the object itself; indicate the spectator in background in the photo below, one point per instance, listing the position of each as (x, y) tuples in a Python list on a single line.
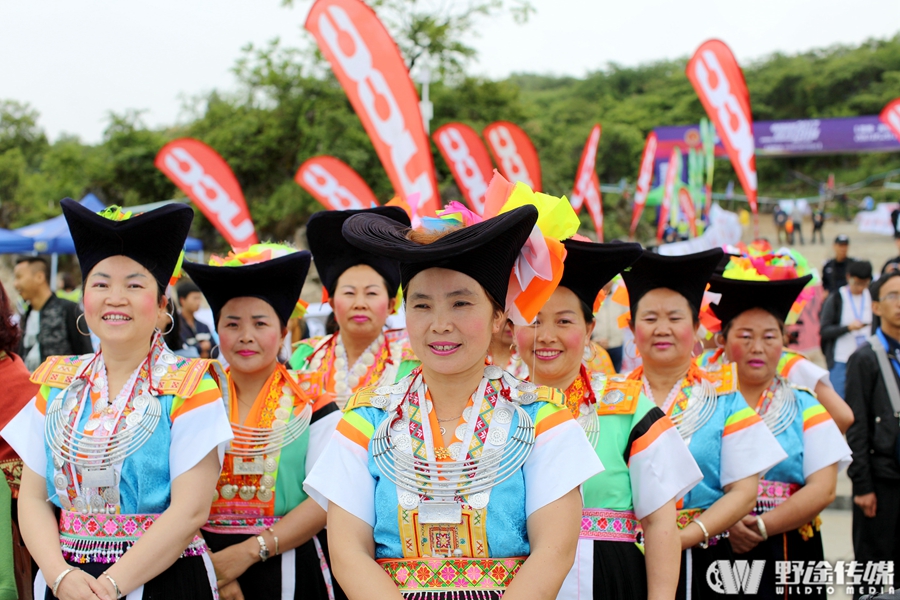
[(67, 289), (895, 217), (834, 273), (50, 323), (168, 324), (17, 392), (818, 219), (874, 435), (781, 219), (194, 334), (846, 316), (797, 220), (607, 332)]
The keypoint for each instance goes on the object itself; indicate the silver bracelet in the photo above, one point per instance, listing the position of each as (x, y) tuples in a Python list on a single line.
[(705, 543), (60, 578), (761, 525), (115, 585)]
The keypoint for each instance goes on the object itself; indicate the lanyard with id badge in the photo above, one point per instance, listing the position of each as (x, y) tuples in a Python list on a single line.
[(858, 314)]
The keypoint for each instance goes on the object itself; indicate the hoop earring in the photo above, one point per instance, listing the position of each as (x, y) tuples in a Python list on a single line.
[(213, 350), (171, 327), (589, 354), (77, 321)]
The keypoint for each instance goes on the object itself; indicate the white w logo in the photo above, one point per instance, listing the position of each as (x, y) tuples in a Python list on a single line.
[(725, 578)]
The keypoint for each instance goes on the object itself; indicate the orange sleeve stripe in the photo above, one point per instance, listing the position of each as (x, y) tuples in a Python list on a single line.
[(353, 434), (198, 400), (742, 424), (657, 429), (40, 400), (815, 420), (552, 420)]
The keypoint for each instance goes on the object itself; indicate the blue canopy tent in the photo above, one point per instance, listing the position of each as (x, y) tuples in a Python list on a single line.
[(52, 236), (13, 243)]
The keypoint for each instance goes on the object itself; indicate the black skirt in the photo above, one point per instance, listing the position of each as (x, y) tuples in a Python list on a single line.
[(786, 546), (187, 579), (262, 581), (700, 560), (619, 571)]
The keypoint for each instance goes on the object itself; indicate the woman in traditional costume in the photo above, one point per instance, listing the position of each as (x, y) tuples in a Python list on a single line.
[(267, 536), (459, 481), (792, 366), (362, 291), (727, 439), (127, 443), (647, 466), (785, 522)]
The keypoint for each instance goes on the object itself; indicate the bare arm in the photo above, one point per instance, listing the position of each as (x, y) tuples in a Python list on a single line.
[(839, 410), (662, 549), (293, 530), (738, 501), (803, 506), (351, 543), (164, 542), (41, 534), (553, 535)]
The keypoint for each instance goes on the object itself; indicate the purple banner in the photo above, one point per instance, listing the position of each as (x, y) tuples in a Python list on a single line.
[(794, 138)]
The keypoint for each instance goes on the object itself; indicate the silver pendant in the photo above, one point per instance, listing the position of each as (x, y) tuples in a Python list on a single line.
[(98, 478), (133, 419), (503, 415), (111, 495), (282, 414), (60, 481), (409, 500), (264, 495), (478, 500), (270, 465), (91, 425), (97, 503), (167, 358), (247, 492), (267, 481), (229, 491), (497, 437), (440, 511), (159, 370), (249, 466), (141, 402), (493, 372), (80, 504)]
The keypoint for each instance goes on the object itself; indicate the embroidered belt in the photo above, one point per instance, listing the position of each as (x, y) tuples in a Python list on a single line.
[(239, 524), (686, 517), (451, 574), (608, 525), (104, 538), (772, 494)]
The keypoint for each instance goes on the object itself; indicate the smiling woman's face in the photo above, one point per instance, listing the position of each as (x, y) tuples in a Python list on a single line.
[(121, 301), (450, 320)]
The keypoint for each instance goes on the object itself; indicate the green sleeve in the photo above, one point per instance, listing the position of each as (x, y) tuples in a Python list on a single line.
[(301, 353), (7, 569)]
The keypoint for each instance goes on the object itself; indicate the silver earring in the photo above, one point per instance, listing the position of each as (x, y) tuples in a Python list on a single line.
[(77, 321)]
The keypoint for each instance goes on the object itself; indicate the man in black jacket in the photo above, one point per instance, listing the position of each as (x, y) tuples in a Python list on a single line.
[(875, 434), (50, 325)]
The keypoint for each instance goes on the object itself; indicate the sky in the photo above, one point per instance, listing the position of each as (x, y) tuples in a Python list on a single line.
[(74, 61)]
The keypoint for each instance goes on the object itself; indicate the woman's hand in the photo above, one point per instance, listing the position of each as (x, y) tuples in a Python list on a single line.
[(744, 535), (231, 591), (78, 585), (104, 589), (233, 561)]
